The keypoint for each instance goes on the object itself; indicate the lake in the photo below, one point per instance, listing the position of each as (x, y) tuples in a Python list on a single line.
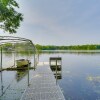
[(80, 79)]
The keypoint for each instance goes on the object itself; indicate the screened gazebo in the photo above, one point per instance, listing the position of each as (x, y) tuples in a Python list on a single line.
[(16, 40)]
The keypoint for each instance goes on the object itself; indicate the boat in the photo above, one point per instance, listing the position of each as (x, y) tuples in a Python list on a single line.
[(22, 62)]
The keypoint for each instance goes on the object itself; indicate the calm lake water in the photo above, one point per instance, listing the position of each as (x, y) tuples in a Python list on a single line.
[(80, 75)]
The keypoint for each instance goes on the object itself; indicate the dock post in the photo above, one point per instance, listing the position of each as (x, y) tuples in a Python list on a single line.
[(61, 67), (56, 71), (14, 54), (34, 60), (1, 84), (49, 62), (1, 59), (28, 73)]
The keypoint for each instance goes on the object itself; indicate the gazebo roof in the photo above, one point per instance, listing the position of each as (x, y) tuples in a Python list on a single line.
[(12, 39)]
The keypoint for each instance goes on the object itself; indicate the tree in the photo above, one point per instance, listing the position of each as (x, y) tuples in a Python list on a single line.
[(9, 18)]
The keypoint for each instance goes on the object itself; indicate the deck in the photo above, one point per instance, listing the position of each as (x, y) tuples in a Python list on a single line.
[(43, 86)]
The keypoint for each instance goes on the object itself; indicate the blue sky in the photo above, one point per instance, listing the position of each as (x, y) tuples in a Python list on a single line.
[(60, 22)]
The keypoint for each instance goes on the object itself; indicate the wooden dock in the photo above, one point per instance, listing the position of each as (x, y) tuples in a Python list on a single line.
[(43, 86)]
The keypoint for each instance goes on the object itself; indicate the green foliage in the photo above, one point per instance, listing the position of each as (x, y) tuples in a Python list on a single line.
[(76, 47), (9, 18), (27, 47), (98, 47)]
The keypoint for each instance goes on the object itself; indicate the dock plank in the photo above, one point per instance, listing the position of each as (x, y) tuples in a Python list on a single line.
[(43, 86)]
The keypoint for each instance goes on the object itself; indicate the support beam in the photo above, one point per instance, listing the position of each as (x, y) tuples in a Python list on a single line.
[(56, 71), (14, 55), (28, 72), (1, 84), (1, 60)]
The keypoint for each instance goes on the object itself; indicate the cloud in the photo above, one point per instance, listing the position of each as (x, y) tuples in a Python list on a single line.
[(60, 21)]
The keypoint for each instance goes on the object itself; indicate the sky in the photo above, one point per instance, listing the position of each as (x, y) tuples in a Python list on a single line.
[(60, 22)]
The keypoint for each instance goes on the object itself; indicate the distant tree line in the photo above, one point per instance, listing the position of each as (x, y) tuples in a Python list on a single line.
[(26, 47), (74, 47)]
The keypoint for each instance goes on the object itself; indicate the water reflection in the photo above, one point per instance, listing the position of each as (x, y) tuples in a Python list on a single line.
[(20, 74), (56, 67), (79, 52), (81, 75), (57, 73), (13, 83), (95, 82)]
